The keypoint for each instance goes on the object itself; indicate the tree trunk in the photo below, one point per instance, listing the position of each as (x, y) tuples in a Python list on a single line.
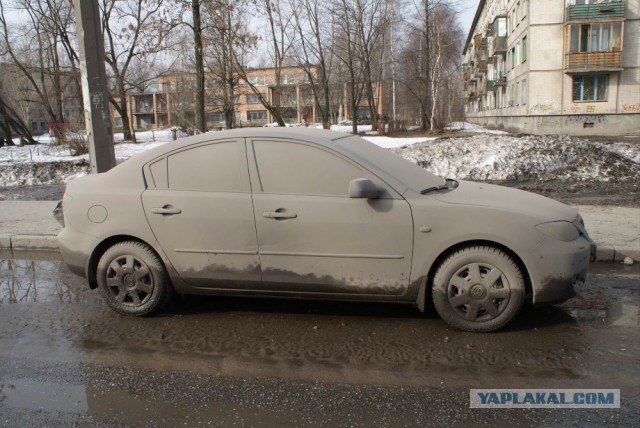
[(123, 110), (201, 123)]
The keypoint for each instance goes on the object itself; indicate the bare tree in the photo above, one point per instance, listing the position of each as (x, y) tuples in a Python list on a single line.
[(279, 22), (313, 53), (371, 23), (41, 51), (226, 34), (344, 49), (430, 63), (133, 30)]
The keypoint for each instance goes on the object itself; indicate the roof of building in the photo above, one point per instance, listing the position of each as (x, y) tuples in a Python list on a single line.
[(473, 25)]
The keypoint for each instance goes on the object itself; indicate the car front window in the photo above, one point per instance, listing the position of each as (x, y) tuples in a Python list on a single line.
[(406, 172)]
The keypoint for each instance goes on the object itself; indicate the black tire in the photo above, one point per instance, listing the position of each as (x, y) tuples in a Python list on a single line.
[(133, 279), (478, 289)]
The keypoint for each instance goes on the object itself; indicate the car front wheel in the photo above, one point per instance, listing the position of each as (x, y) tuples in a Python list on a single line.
[(133, 279), (478, 289)]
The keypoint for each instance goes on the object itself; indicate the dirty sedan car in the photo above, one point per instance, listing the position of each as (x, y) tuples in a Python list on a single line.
[(301, 213)]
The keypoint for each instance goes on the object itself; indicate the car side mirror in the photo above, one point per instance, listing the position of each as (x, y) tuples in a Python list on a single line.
[(360, 188)]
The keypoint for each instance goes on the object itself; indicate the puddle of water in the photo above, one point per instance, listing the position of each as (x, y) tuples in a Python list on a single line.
[(617, 268), (607, 299), (29, 394), (121, 406), (41, 280)]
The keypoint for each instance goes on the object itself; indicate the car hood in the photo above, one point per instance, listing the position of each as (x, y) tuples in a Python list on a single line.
[(505, 198)]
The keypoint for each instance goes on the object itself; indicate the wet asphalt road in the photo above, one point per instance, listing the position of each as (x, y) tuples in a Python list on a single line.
[(67, 360)]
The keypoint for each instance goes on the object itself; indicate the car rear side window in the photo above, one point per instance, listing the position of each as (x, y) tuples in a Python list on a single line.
[(293, 168), (216, 167)]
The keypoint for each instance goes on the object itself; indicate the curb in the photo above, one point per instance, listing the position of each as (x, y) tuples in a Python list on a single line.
[(29, 242), (620, 253), (604, 253)]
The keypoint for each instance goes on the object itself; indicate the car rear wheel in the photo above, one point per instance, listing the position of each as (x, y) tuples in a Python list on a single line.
[(478, 289), (133, 279)]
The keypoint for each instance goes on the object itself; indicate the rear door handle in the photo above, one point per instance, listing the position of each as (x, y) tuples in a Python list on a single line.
[(166, 210), (278, 214)]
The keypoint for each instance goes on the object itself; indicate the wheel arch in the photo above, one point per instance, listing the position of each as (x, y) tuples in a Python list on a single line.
[(424, 296), (103, 246)]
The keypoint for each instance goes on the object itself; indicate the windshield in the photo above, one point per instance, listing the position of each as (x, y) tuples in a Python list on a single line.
[(406, 172)]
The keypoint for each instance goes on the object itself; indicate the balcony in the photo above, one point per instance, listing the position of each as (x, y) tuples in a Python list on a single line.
[(482, 67), (592, 61), (499, 45), (610, 11), (143, 110), (501, 79), (490, 85)]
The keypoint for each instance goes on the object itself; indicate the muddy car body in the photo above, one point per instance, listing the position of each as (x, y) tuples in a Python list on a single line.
[(316, 214)]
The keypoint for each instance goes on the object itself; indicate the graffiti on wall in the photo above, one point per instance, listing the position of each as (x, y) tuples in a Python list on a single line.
[(630, 108), (592, 118), (543, 108)]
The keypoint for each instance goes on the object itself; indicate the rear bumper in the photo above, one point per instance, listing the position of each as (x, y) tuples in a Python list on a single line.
[(75, 248), (562, 269)]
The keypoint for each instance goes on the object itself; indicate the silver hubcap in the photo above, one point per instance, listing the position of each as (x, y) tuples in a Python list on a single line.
[(478, 292), (129, 280)]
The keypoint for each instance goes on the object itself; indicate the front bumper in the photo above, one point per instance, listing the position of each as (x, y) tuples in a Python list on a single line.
[(561, 269)]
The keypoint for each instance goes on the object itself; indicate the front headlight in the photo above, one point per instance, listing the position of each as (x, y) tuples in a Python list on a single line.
[(560, 230)]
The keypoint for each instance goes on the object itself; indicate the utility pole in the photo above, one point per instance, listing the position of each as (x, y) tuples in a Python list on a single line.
[(95, 91)]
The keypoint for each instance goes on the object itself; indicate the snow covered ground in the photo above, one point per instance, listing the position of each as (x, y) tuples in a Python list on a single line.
[(486, 155), (470, 127)]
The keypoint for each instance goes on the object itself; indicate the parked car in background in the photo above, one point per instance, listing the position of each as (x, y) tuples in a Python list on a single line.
[(316, 214)]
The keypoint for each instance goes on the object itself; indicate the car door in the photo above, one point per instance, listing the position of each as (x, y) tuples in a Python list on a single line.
[(312, 237), (198, 204)]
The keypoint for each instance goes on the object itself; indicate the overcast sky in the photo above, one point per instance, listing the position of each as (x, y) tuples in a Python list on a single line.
[(467, 12)]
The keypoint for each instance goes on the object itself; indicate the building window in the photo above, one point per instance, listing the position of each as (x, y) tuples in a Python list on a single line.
[(590, 88), (595, 37), (257, 115), (288, 79), (524, 91), (517, 53), (144, 105), (524, 49), (500, 27), (253, 99), (513, 57), (216, 117), (257, 80)]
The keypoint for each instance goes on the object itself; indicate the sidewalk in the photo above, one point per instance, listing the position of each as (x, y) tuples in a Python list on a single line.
[(29, 225)]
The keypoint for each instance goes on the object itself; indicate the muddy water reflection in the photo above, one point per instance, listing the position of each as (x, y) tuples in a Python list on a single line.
[(41, 278), (30, 394), (610, 298)]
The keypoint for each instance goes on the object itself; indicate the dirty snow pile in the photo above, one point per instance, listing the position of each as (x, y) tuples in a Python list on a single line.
[(531, 157)]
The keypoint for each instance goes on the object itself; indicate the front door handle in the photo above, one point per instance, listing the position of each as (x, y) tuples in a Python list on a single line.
[(278, 214), (166, 210)]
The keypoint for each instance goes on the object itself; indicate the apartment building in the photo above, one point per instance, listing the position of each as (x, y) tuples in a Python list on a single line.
[(172, 102), (555, 66)]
